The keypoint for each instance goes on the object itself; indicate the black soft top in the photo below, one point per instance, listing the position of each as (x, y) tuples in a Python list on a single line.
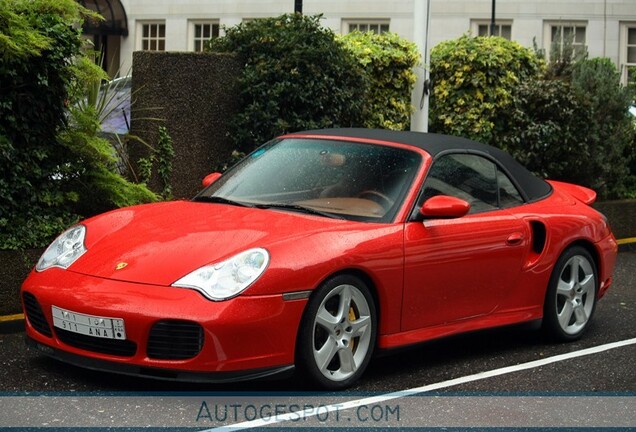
[(532, 187)]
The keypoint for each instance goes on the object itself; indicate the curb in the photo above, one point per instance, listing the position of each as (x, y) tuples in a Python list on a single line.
[(15, 323), (627, 245), (11, 323)]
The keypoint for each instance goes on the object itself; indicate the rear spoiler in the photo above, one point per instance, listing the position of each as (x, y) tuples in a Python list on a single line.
[(581, 193)]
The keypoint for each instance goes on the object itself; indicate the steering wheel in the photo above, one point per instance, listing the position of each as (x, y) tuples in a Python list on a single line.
[(377, 197)]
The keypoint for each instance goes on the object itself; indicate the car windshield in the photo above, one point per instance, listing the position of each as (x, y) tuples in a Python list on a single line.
[(342, 179)]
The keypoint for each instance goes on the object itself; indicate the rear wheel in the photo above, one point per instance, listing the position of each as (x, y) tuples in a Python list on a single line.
[(338, 331), (571, 296)]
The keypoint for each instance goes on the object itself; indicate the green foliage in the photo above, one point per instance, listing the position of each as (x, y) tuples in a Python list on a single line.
[(52, 160), (92, 171), (296, 76), (164, 157), (144, 168), (572, 124), (611, 135), (567, 121), (388, 61), (39, 38), (474, 79), (546, 121), (161, 158)]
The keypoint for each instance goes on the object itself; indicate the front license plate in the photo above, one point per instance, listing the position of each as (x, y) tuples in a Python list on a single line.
[(90, 325)]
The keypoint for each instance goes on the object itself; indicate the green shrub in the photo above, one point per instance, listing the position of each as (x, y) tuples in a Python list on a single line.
[(572, 124), (55, 167), (296, 76), (38, 39), (388, 61), (474, 79), (546, 123), (611, 134)]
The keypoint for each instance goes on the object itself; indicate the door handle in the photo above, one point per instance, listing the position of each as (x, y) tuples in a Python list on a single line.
[(514, 239)]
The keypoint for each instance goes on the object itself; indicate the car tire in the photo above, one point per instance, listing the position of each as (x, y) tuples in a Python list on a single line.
[(571, 297), (337, 333)]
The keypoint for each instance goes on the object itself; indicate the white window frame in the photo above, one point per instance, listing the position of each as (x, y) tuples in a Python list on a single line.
[(624, 46), (475, 24), (361, 22), (141, 38), (547, 34), (192, 36)]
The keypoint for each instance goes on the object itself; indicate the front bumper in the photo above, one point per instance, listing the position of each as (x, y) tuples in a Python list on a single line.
[(242, 338), (155, 373)]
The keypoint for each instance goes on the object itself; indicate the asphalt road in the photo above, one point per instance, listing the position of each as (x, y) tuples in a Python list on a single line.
[(436, 385), (23, 369)]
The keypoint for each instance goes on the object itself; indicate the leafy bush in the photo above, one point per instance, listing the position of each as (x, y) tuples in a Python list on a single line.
[(474, 79), (91, 171), (38, 38), (611, 133), (546, 120), (296, 76), (388, 61), (567, 121), (53, 162), (572, 124)]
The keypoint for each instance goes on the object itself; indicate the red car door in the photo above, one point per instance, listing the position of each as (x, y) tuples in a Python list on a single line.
[(456, 269), (460, 268)]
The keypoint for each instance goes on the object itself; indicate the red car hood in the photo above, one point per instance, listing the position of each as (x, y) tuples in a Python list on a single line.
[(160, 243)]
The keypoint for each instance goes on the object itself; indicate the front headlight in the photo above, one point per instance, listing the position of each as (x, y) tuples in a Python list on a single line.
[(229, 278), (64, 250)]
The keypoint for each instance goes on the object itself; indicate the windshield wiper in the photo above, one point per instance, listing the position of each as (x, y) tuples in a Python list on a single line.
[(220, 200), (299, 208)]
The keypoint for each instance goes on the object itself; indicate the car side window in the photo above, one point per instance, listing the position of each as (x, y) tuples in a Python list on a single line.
[(509, 195), (465, 176)]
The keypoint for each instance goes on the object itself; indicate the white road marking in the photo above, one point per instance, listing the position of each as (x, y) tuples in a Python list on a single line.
[(423, 389)]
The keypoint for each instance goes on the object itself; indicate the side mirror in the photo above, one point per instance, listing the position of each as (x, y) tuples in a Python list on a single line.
[(210, 178), (444, 207)]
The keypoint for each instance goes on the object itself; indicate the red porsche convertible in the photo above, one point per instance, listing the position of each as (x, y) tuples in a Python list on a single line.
[(316, 250)]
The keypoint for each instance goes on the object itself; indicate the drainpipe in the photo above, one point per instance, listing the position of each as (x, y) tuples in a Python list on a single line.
[(421, 91)]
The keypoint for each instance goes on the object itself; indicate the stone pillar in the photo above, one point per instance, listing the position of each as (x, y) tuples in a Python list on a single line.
[(194, 96)]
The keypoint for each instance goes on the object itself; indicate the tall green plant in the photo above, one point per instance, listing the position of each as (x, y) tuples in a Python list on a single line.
[(160, 158), (388, 60), (474, 79), (611, 133), (572, 124), (55, 166), (296, 76), (38, 40)]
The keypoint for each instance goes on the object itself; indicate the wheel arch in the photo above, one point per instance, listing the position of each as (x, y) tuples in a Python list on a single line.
[(589, 246), (586, 244), (366, 278)]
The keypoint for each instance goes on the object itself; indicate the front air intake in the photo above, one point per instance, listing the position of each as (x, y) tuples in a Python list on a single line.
[(34, 314), (175, 340)]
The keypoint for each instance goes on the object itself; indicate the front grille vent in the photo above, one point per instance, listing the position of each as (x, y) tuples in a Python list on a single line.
[(116, 347), (34, 314), (175, 340)]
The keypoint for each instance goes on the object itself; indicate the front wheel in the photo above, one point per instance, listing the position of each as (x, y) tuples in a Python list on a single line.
[(337, 333), (571, 297)]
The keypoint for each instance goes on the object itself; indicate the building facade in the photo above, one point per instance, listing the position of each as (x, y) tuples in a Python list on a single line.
[(605, 28)]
